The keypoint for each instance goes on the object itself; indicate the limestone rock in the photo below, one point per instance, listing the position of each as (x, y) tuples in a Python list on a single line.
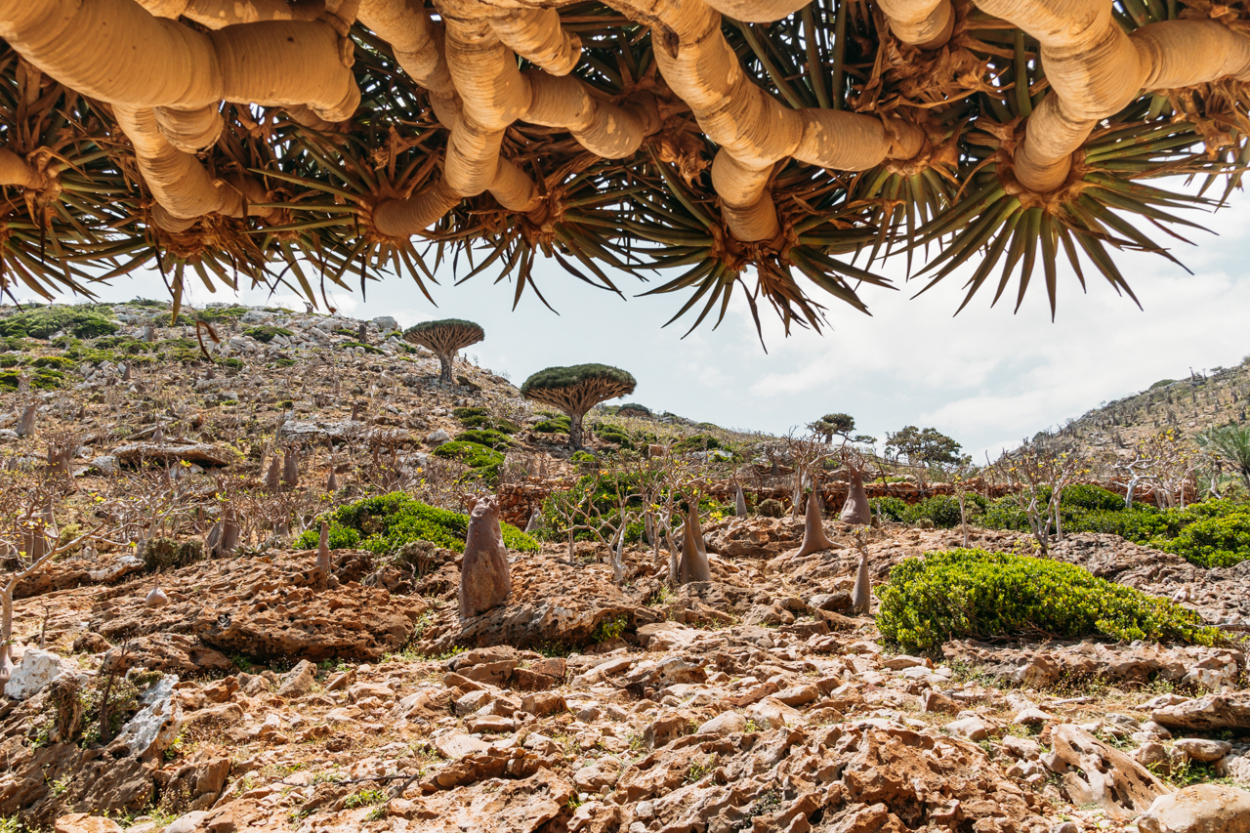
[(1201, 749), (1207, 714), (156, 725), (1095, 773), (298, 681), (83, 823), (1202, 808), (36, 672)]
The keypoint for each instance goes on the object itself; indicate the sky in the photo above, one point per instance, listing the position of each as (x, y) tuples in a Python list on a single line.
[(987, 377)]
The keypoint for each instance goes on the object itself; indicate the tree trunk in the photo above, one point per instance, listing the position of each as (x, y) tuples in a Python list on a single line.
[(445, 361), (575, 431), (6, 631)]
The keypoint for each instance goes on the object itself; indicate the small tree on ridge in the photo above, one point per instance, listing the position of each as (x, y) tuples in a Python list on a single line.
[(446, 338), (577, 389)]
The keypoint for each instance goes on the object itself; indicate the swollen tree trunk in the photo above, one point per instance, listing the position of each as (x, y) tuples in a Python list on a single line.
[(575, 431), (856, 511), (814, 538), (485, 578), (535, 521), (694, 564), (740, 503), (445, 361), (861, 595), (321, 569)]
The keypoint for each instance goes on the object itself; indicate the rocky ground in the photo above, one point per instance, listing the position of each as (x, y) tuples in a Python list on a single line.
[(265, 698)]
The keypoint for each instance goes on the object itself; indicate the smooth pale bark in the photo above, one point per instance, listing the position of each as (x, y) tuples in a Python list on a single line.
[(740, 503), (14, 170), (694, 563), (494, 94), (856, 510), (214, 14), (178, 180), (757, 11), (535, 521), (924, 23), (814, 538), (537, 36), (166, 82), (116, 51), (1095, 69), (754, 130)]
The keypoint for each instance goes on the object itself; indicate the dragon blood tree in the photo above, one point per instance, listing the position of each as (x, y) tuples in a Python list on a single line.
[(757, 147), (575, 390), (446, 338)]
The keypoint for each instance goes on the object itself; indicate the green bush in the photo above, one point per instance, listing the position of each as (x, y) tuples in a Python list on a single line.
[(697, 442), (889, 508), (490, 422), (1087, 496), (943, 510), (614, 434), (466, 413), (368, 348), (484, 462), (553, 425), (384, 523), (214, 314), (266, 333), (770, 508), (981, 595), (1214, 541), (170, 554), (487, 437), (44, 322), (57, 362), (41, 379)]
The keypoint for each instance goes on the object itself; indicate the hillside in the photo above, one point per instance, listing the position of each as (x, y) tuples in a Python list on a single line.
[(1188, 405), (188, 659)]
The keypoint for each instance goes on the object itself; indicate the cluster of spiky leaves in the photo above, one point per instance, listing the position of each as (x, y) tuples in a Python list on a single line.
[(655, 212)]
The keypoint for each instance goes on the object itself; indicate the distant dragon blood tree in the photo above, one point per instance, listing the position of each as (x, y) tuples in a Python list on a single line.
[(446, 338), (577, 389), (757, 147)]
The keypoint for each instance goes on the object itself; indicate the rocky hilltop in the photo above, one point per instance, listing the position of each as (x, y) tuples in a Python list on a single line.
[(189, 661)]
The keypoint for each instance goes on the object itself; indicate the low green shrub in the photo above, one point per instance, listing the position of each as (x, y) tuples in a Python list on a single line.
[(968, 593), (487, 437), (614, 434), (57, 362), (487, 421), (41, 379), (553, 425), (368, 348), (1090, 497), (1214, 541), (170, 554), (770, 508), (943, 510), (384, 523), (266, 333), (484, 462), (697, 442), (44, 322), (467, 412), (889, 508)]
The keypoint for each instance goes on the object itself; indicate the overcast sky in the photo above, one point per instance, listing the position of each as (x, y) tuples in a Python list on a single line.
[(987, 377)]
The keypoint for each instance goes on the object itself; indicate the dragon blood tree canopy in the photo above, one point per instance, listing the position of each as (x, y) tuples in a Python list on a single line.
[(445, 337), (778, 148), (577, 389)]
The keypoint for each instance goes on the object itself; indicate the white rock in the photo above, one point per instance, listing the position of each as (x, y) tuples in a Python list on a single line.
[(37, 670), (1202, 808), (1201, 749), (156, 725), (437, 437), (972, 728), (386, 322), (188, 823)]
